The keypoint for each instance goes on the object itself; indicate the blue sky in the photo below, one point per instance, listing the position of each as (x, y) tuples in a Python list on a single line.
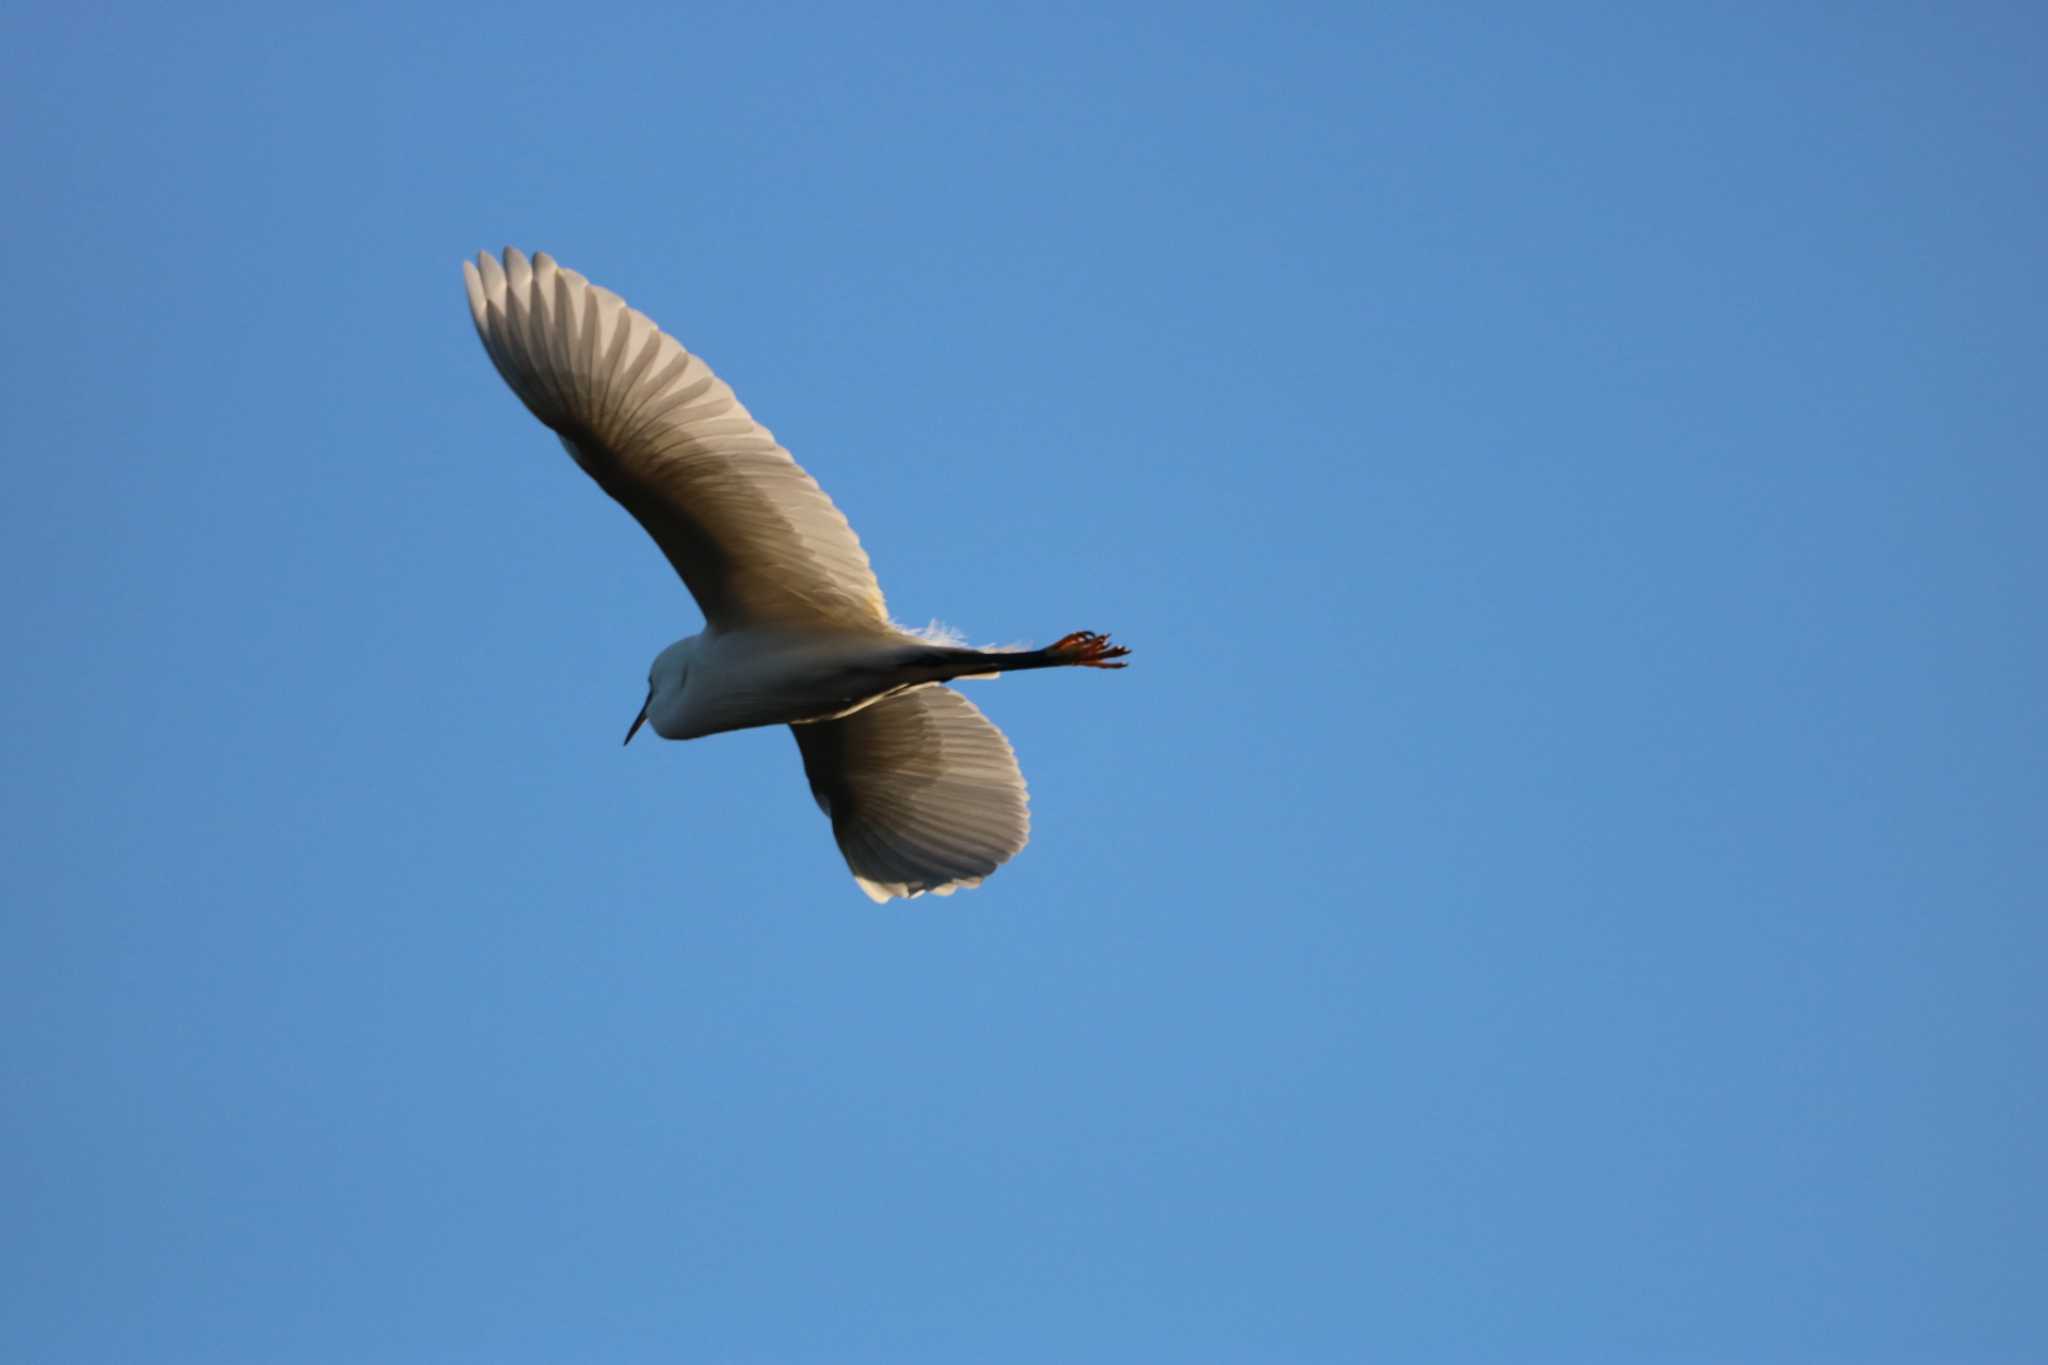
[(1562, 880)]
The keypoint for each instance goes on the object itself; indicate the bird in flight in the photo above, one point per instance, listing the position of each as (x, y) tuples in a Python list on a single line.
[(922, 790)]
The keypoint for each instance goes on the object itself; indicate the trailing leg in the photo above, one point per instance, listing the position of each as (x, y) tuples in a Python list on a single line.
[(1082, 649)]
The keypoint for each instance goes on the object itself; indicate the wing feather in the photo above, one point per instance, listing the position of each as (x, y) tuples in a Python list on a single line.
[(752, 535), (923, 792)]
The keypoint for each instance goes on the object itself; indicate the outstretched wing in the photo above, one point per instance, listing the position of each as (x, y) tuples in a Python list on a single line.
[(753, 536), (923, 792)]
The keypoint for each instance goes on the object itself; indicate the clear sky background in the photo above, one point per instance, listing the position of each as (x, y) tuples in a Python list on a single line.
[(1563, 879)]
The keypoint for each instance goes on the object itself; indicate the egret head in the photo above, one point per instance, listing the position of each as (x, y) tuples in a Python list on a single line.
[(665, 678)]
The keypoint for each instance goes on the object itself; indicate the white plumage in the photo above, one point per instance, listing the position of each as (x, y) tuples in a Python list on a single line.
[(922, 790)]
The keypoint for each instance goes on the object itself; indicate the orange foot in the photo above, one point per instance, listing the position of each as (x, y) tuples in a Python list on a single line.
[(1086, 648)]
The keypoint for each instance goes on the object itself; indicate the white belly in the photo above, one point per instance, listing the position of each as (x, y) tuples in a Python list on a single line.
[(742, 679)]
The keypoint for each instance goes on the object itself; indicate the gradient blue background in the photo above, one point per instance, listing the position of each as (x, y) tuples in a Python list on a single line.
[(1563, 880)]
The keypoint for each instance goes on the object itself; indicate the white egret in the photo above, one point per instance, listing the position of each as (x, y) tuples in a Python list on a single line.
[(922, 790)]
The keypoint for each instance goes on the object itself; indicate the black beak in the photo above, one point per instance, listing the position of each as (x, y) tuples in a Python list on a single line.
[(640, 719)]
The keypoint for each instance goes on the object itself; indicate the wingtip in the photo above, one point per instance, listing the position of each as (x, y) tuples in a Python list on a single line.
[(881, 893), (473, 285)]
